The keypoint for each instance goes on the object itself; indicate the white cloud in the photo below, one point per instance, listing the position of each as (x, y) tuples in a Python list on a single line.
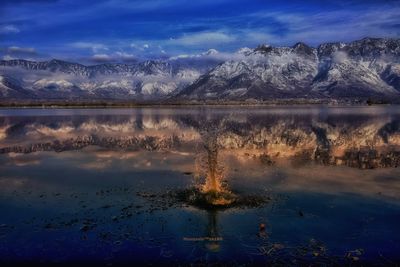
[(8, 57), (209, 53), (213, 54), (203, 38), (101, 57), (259, 37), (327, 26), (95, 47), (133, 45), (9, 29), (17, 49), (125, 56), (140, 47), (119, 56)]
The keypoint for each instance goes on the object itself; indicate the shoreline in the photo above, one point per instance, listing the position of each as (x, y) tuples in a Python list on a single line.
[(161, 104)]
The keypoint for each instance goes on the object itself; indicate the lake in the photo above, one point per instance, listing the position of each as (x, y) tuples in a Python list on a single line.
[(289, 185)]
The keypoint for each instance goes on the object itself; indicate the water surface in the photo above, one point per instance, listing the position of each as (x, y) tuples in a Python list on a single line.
[(93, 185)]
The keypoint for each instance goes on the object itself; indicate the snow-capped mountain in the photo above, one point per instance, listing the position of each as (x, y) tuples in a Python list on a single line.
[(10, 88), (366, 68), (57, 79)]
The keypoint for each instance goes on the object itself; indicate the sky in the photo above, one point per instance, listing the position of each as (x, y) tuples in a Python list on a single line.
[(95, 31)]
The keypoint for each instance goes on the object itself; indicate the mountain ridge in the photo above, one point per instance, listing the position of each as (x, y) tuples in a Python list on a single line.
[(360, 69), (366, 68)]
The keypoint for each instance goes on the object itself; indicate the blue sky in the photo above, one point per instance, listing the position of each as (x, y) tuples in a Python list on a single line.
[(122, 30)]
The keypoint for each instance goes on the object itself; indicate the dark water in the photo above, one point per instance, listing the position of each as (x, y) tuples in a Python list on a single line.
[(94, 186)]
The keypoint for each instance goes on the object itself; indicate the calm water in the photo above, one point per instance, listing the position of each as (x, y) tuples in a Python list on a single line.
[(93, 185)]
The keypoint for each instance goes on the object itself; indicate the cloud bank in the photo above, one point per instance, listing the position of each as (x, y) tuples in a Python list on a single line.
[(125, 30)]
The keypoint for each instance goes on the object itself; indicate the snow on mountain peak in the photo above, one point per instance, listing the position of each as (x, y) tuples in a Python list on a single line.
[(363, 68), (244, 51), (360, 69), (210, 52)]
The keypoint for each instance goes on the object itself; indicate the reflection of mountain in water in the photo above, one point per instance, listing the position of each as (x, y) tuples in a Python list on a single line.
[(355, 140)]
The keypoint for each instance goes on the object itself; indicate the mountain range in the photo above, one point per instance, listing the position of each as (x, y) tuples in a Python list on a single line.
[(362, 69)]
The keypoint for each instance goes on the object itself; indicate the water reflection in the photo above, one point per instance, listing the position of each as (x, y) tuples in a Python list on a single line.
[(108, 171), (213, 244), (219, 145), (354, 140)]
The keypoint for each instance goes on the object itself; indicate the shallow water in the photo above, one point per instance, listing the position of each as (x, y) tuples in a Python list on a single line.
[(93, 185)]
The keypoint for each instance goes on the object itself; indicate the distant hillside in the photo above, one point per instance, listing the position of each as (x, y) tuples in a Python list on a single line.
[(363, 69)]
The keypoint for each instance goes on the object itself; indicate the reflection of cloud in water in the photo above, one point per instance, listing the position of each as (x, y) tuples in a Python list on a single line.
[(63, 132), (137, 160), (99, 164), (23, 160), (259, 140), (339, 180), (94, 127), (150, 123), (319, 179), (36, 132)]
